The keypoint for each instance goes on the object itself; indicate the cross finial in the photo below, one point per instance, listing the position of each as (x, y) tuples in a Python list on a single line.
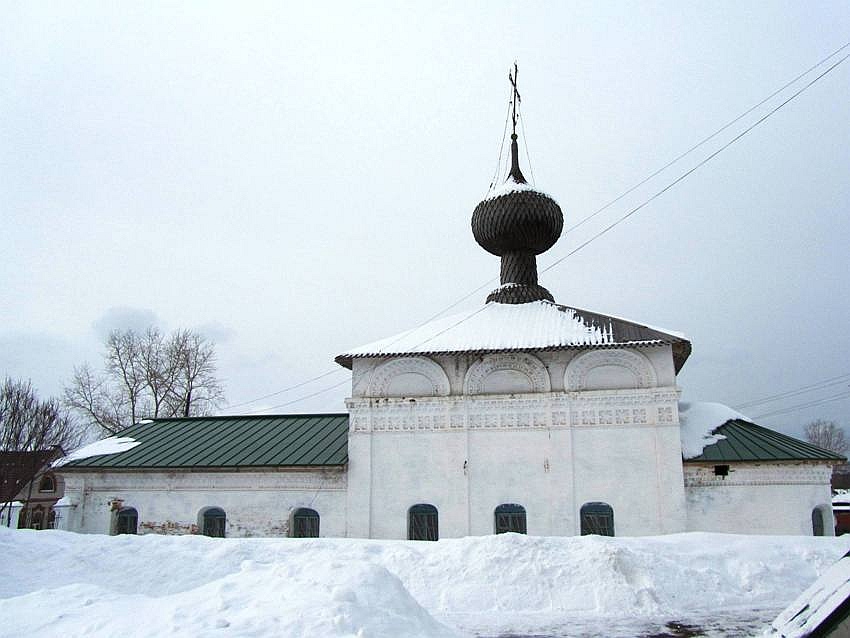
[(515, 98), (515, 171)]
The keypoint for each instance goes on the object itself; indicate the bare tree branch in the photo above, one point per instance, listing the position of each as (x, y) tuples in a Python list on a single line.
[(147, 375), (827, 435)]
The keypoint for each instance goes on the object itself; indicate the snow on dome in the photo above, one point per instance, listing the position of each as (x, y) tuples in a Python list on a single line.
[(495, 326), (112, 445), (512, 186), (698, 420)]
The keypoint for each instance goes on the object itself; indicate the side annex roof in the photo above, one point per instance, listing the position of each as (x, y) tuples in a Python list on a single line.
[(745, 441), (229, 442)]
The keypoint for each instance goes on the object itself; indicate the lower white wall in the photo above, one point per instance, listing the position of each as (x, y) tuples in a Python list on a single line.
[(758, 498), (255, 503), (549, 452)]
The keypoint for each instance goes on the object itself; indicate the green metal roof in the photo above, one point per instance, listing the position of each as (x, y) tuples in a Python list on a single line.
[(291, 440), (750, 442)]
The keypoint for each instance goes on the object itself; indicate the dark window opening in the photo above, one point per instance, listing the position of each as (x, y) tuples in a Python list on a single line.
[(721, 470), (510, 517), (214, 522), (47, 484), (597, 518), (422, 523), (127, 521), (305, 523), (817, 522)]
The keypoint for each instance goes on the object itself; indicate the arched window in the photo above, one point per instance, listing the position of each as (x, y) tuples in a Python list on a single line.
[(510, 517), (47, 484), (127, 521), (820, 516), (422, 524), (213, 522), (305, 523), (597, 518), (817, 522)]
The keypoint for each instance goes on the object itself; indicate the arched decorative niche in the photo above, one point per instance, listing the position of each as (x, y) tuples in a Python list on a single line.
[(507, 373), (409, 377), (609, 370)]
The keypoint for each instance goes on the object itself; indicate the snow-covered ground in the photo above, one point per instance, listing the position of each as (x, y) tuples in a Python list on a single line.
[(62, 584)]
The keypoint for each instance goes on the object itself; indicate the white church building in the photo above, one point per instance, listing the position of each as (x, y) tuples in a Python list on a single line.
[(520, 415)]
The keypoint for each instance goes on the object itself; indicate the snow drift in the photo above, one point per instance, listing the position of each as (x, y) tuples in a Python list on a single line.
[(192, 585)]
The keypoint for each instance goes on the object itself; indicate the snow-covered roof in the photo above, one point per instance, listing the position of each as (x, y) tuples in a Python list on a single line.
[(698, 421), (537, 325), (112, 445), (715, 433)]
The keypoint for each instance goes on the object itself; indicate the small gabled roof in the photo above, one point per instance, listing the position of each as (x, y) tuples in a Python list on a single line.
[(229, 442), (532, 326), (745, 441)]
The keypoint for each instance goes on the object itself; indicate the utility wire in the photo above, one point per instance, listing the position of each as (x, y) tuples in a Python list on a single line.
[(688, 172), (292, 387), (826, 383), (810, 404), (705, 139), (615, 223)]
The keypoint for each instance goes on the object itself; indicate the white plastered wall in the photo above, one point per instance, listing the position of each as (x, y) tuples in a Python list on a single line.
[(549, 446), (255, 503), (758, 498)]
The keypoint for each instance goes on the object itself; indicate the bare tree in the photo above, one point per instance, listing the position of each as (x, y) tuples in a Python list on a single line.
[(147, 375), (30, 425), (827, 435)]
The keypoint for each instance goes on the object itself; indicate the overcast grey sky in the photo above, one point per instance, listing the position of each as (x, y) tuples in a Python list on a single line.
[(295, 181)]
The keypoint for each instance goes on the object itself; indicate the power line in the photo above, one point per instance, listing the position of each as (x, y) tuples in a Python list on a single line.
[(819, 385), (613, 224), (292, 387), (810, 404), (689, 171), (706, 139)]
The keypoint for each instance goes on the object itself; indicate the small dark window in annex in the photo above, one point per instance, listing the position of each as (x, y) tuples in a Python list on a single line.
[(127, 521), (305, 523), (422, 524), (47, 484), (597, 518), (510, 517), (214, 521)]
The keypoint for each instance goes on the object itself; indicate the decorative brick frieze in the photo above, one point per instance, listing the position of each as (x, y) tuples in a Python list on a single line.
[(608, 408), (742, 474)]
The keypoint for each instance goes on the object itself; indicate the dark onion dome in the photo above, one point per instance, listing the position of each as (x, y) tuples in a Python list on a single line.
[(516, 223)]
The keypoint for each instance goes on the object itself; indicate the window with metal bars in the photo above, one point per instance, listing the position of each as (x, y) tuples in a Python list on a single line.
[(510, 517), (597, 518), (305, 523), (127, 521), (214, 522), (422, 523)]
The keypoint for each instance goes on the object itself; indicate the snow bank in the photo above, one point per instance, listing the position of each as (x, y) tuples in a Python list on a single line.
[(698, 420), (191, 585), (112, 445)]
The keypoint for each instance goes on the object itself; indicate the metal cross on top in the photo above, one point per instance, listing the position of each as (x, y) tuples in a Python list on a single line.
[(512, 76)]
